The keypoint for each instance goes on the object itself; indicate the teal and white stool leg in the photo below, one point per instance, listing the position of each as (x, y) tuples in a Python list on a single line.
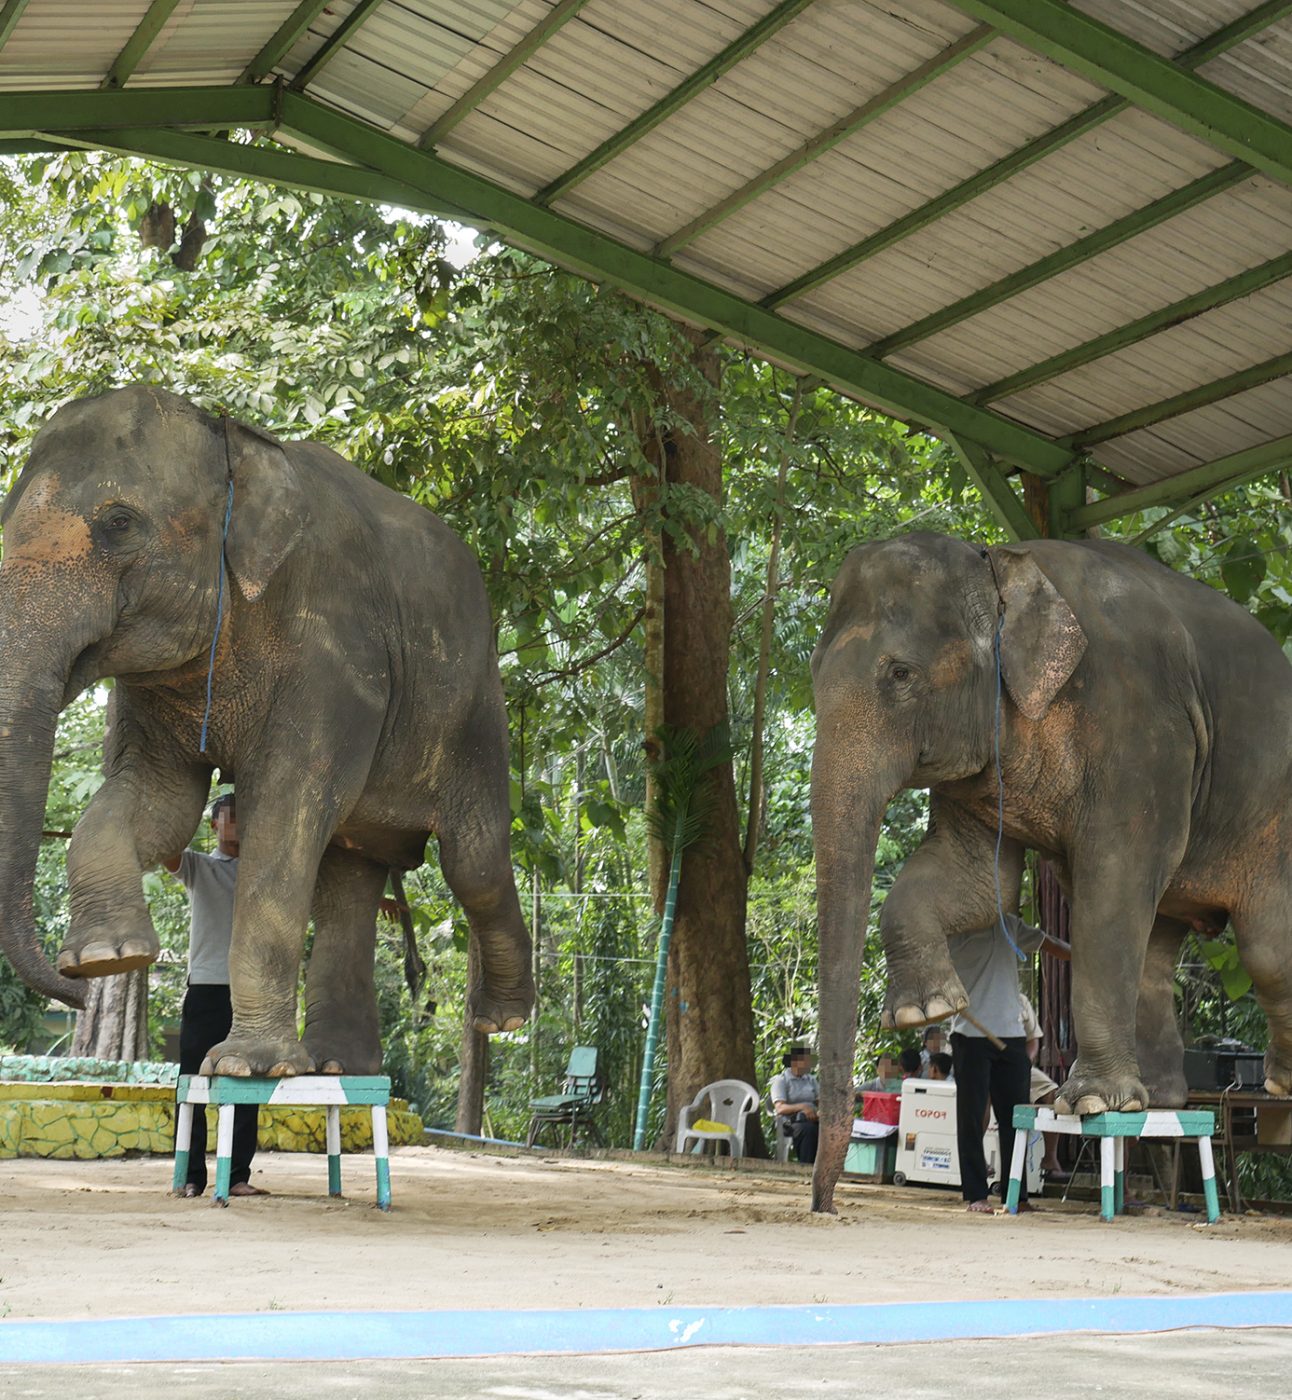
[(1119, 1177), (381, 1151), (333, 1150), (1107, 1168), (183, 1136), (1209, 1179), (223, 1153), (1017, 1159)]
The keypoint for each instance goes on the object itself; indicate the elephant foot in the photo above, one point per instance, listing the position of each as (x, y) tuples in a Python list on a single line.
[(340, 1054), (920, 1002), (1163, 1077), (264, 1057), (1087, 1093), (493, 1009), (101, 952), (1278, 1074)]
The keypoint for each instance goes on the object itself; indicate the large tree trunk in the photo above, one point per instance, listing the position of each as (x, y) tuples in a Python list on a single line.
[(114, 1023), (709, 1017)]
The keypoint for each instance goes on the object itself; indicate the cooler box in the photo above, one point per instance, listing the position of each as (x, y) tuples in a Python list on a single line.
[(926, 1139), (874, 1158)]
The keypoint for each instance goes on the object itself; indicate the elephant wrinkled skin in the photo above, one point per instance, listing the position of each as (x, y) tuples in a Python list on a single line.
[(356, 701), (1146, 749)]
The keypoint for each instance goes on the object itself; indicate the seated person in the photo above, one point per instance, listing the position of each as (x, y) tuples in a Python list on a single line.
[(939, 1066), (933, 1045), (1043, 1089), (886, 1076), (912, 1066), (794, 1102)]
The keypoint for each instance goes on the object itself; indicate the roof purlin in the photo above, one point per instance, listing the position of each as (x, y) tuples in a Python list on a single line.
[(707, 74), (1224, 39), (281, 42), (334, 43), (826, 140), (1111, 59), (138, 44)]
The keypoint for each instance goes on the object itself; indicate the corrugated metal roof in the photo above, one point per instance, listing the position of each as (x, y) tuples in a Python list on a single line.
[(407, 64)]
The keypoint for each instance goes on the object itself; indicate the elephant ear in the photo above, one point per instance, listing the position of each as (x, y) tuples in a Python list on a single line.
[(270, 511), (1041, 642)]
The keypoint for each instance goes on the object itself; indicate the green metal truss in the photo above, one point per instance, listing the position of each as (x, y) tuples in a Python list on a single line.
[(24, 113), (559, 15), (993, 486), (132, 54), (1109, 58), (1208, 299), (1064, 259), (826, 140), (10, 14), (735, 52), (1195, 485), (1224, 39)]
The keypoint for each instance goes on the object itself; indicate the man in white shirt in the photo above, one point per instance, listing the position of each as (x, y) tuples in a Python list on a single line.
[(207, 1014)]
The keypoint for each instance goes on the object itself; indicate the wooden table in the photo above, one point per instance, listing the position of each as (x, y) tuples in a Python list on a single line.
[(1247, 1120)]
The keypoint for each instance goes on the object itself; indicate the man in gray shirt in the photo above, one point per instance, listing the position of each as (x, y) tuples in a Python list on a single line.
[(794, 1096), (208, 1008), (988, 967)]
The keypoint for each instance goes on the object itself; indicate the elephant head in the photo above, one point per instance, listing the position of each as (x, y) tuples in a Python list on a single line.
[(112, 544), (905, 681)]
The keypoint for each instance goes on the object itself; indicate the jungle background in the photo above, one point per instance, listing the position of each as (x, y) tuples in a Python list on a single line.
[(589, 451)]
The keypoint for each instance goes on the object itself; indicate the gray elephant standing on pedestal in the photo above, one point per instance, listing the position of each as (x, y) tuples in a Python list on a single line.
[(355, 698), (1146, 749)]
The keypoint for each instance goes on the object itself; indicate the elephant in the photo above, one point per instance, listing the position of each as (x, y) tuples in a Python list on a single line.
[(339, 635), (1082, 700)]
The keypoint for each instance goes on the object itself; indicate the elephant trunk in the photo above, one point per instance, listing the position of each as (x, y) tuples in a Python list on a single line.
[(848, 804), (32, 687)]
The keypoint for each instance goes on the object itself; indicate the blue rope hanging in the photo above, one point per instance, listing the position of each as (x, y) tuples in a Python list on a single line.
[(219, 602), (1000, 790)]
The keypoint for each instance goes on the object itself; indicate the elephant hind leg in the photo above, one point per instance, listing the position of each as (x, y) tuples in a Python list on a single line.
[(1158, 1046), (342, 1030), (1265, 949), (476, 862)]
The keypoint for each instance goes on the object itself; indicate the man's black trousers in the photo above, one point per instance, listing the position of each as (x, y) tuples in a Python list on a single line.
[(804, 1133), (204, 1022), (985, 1075)]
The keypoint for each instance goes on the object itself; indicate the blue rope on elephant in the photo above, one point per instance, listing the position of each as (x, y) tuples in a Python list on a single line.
[(219, 611), (1000, 791)]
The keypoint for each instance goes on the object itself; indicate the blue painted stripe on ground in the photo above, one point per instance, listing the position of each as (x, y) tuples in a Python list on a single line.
[(360, 1336)]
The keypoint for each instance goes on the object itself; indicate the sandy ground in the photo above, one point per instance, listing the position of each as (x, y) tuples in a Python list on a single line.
[(470, 1230)]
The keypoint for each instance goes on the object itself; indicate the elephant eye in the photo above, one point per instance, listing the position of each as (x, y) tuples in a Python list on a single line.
[(899, 672), (120, 521)]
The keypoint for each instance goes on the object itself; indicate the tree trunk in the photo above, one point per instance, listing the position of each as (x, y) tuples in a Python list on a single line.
[(114, 1023), (709, 1017), (474, 1059)]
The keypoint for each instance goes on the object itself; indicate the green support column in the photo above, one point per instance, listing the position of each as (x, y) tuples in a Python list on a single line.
[(1066, 493)]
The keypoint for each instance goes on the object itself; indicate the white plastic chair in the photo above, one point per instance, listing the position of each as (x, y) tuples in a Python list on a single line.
[(727, 1101), (781, 1136)]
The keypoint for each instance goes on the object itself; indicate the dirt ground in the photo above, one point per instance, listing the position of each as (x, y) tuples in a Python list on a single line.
[(471, 1230)]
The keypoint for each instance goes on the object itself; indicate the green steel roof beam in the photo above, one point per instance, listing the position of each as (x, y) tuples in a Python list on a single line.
[(993, 486), (1209, 479), (1107, 57), (334, 43), (1064, 259), (22, 113), (702, 78), (1208, 299), (491, 81), (138, 44), (597, 256), (272, 164), (1186, 402), (1224, 39), (10, 14), (826, 140), (283, 40)]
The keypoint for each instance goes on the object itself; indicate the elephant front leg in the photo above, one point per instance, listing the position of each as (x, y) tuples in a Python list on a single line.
[(1159, 1048), (142, 813), (342, 1033), (948, 886)]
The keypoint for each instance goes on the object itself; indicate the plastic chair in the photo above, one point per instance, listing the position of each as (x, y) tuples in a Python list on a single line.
[(781, 1136), (581, 1092), (730, 1102)]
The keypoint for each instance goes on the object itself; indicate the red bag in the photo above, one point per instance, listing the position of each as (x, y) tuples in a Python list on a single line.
[(877, 1106)]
